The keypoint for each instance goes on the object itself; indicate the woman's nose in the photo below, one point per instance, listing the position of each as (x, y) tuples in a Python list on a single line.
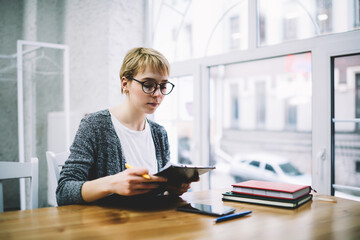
[(157, 91)]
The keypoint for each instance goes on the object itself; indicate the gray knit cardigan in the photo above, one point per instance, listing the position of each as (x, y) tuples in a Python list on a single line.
[(96, 152)]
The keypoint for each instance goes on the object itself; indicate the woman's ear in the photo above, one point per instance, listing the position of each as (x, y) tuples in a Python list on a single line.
[(124, 84)]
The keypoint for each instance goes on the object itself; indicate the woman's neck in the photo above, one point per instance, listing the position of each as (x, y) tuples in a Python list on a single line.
[(129, 117)]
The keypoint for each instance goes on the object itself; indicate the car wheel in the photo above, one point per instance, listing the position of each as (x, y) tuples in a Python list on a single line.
[(238, 179)]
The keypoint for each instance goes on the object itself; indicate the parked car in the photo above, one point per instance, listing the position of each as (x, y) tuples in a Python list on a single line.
[(266, 167)]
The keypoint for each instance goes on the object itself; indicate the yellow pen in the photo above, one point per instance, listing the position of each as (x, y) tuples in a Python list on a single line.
[(144, 175)]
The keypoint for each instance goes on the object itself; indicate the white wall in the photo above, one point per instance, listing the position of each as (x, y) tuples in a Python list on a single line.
[(98, 34)]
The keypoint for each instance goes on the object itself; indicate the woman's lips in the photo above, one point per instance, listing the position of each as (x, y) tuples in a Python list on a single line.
[(153, 104)]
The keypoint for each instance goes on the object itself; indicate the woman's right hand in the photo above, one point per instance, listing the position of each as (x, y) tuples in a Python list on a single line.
[(131, 182)]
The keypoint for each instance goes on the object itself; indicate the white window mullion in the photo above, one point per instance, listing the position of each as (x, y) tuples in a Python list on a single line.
[(204, 128), (321, 126)]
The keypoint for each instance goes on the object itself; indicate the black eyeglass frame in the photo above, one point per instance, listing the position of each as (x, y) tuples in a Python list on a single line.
[(156, 86)]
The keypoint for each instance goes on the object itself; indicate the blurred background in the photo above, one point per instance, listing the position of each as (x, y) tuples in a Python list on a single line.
[(266, 89)]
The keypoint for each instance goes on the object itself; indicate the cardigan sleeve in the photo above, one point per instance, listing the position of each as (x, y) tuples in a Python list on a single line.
[(76, 169)]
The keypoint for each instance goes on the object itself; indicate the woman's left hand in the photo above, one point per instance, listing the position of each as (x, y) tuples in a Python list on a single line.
[(178, 190)]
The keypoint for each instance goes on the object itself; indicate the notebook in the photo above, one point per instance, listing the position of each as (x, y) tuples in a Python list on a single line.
[(271, 189)]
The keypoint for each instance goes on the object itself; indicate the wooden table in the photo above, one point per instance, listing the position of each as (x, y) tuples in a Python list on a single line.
[(323, 218)]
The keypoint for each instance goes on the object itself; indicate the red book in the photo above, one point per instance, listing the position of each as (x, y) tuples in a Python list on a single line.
[(271, 189)]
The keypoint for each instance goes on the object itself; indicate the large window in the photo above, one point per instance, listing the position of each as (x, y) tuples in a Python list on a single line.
[(253, 132), (261, 72)]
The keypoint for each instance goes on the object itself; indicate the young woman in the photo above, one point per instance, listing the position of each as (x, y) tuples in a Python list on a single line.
[(109, 139)]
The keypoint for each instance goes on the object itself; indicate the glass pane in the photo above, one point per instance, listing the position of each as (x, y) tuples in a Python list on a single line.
[(43, 95), (347, 162), (43, 82), (261, 120), (347, 126), (176, 115), (180, 32), (284, 20), (347, 87)]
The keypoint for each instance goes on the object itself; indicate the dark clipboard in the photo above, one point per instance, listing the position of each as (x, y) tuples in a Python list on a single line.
[(177, 174)]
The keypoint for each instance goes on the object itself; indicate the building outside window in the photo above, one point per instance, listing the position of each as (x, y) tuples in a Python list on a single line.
[(265, 111), (260, 98), (221, 27), (235, 32), (357, 14), (290, 115), (357, 97), (176, 114), (313, 18), (234, 101), (290, 28), (324, 15)]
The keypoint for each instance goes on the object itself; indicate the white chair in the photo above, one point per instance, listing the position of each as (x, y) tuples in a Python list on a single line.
[(55, 162), (13, 170)]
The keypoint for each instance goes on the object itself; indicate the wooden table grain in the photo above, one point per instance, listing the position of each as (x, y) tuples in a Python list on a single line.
[(324, 217)]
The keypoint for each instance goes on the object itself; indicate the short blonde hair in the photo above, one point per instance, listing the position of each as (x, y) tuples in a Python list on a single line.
[(137, 59)]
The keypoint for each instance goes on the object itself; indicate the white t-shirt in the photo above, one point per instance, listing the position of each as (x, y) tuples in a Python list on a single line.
[(137, 146)]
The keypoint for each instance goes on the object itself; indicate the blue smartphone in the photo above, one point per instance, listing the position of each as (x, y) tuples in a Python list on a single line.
[(213, 210)]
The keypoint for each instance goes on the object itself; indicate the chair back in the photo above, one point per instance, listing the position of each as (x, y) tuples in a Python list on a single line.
[(55, 162), (17, 170)]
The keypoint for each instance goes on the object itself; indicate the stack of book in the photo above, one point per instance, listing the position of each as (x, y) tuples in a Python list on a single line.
[(276, 194)]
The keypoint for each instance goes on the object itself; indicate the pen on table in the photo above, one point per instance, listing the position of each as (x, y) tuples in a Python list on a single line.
[(232, 216), (144, 175)]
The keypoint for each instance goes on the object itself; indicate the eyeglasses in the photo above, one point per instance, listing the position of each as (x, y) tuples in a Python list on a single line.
[(150, 87)]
